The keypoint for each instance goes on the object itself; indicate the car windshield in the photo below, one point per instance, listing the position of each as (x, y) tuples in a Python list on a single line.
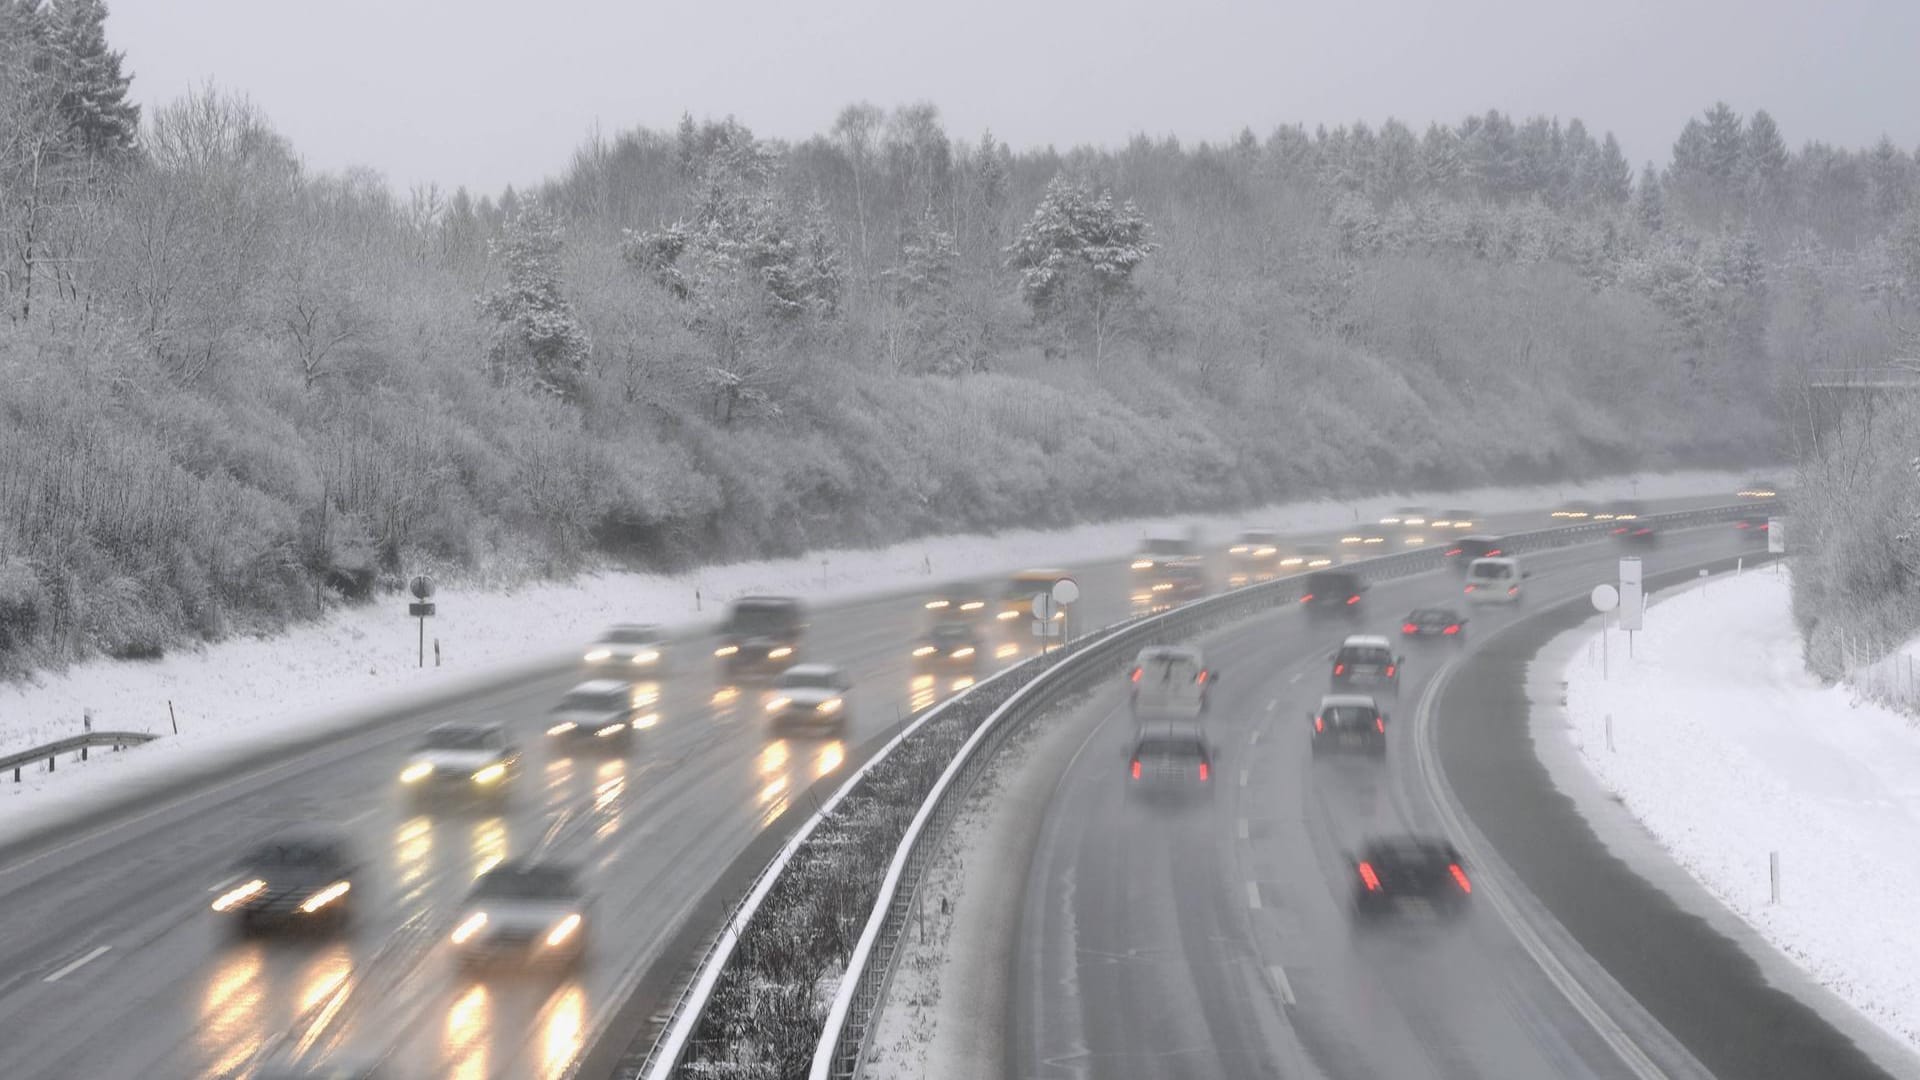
[(527, 883), (952, 635), (1365, 654), (807, 680), (460, 738), (631, 635), (1349, 715), (762, 618), (594, 701), (1265, 538), (296, 853), (1432, 615)]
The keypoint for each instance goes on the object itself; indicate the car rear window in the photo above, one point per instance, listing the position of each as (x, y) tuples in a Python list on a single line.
[(1349, 715), (1490, 571), (297, 853), (1168, 669), (1170, 746), (1164, 547), (952, 635), (1368, 654)]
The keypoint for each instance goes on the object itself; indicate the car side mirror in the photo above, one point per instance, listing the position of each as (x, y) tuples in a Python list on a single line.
[(1526, 573)]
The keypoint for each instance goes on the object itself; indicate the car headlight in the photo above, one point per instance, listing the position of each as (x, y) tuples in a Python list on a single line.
[(1005, 615), (963, 652), (563, 930), (646, 721), (416, 772), (726, 650), (326, 896), (936, 605), (1265, 551), (562, 727), (776, 704), (925, 650), (647, 656), (598, 654), (973, 605), (233, 898), (1143, 564), (829, 706), (491, 774), (1237, 549), (468, 927), (780, 653), (610, 729)]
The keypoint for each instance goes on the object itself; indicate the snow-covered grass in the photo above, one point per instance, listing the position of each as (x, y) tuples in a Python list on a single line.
[(1726, 749), (236, 696)]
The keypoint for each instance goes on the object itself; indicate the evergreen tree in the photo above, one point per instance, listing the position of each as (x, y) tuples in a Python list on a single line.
[(1725, 145), (1077, 255), (536, 336), (1396, 171), (1442, 163), (101, 122), (1650, 206), (1889, 171), (1610, 177), (1767, 158)]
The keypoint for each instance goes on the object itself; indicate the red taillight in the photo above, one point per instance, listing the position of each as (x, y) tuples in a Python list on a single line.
[(1353, 600), (1409, 628), (1513, 590), (1454, 629), (1451, 552), (1136, 768), (1389, 671), (1306, 598), (1368, 877), (1620, 531), (1470, 588), (1494, 554), (1136, 674), (1204, 771), (1460, 877), (1742, 525), (1380, 724), (1319, 724), (1339, 669), (1202, 677)]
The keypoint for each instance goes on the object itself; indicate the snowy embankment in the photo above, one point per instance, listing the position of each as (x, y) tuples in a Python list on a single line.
[(1727, 750), (236, 696)]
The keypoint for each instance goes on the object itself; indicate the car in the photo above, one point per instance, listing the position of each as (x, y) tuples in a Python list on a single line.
[(1434, 622), (1577, 512), (965, 602), (1169, 586), (1016, 597), (1456, 520), (600, 712), (1461, 553), (1333, 592), (809, 695), (1495, 580), (1620, 510), (761, 636), (1758, 489), (1307, 555), (1365, 660), (461, 761), (295, 880), (629, 648), (1159, 551), (1254, 556), (524, 913), (1363, 542), (1169, 755), (1754, 528), (1634, 533), (1352, 722), (1169, 680), (1389, 869), (949, 647), (1409, 525)]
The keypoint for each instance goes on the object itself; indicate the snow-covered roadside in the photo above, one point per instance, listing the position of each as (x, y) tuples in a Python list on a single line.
[(238, 695), (1726, 750)]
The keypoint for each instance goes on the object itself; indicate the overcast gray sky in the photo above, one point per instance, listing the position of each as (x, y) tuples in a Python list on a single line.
[(490, 92)]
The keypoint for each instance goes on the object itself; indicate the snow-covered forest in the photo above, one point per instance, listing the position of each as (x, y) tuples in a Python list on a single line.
[(234, 390)]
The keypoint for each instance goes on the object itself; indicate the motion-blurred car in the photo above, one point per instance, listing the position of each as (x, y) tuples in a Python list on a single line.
[(1170, 754), (1365, 660), (1466, 549), (810, 695), (461, 761), (1169, 586), (1635, 533), (1160, 551), (1495, 580), (297, 880), (1364, 542), (523, 913), (1574, 513), (599, 711), (1619, 510), (949, 648), (1333, 592), (1408, 526), (761, 635), (1758, 489), (1349, 722), (1389, 869), (1307, 555), (1754, 527), (1016, 599), (1254, 556), (963, 602), (1169, 680), (1456, 521), (630, 648), (1434, 623)]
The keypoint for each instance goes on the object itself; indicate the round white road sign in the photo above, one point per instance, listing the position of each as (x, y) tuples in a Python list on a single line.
[(1066, 590), (1043, 606), (1605, 598)]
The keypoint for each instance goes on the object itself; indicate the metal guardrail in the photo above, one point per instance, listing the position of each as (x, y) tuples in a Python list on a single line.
[(845, 1039), (112, 740)]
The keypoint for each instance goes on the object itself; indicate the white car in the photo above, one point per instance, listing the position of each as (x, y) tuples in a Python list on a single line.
[(461, 761), (810, 694), (634, 648), (1169, 681), (600, 710), (1495, 580), (524, 913)]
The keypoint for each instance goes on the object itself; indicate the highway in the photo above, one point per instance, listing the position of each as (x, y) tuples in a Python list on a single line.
[(112, 966), (1210, 935)]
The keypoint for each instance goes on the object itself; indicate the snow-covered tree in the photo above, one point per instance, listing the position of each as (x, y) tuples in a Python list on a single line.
[(1650, 203), (536, 335), (1076, 257), (1767, 158), (92, 92), (1610, 177)]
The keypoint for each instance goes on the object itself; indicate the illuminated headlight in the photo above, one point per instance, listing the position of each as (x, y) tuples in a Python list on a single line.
[(610, 729), (973, 605), (1389, 521), (472, 925), (563, 930), (1005, 651), (1321, 561), (1442, 523), (1416, 541), (647, 656), (1414, 521), (1352, 539), (776, 704), (562, 727), (646, 721), (963, 652), (936, 605), (1375, 540), (925, 650), (325, 896), (233, 898), (1163, 586), (598, 654), (780, 653), (416, 772), (1463, 524), (1237, 549), (1143, 564), (491, 774), (1265, 551), (829, 706), (1292, 560), (1141, 597), (1058, 615), (726, 650), (1005, 615)]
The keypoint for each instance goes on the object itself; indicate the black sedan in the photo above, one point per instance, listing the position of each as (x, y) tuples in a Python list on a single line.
[(1434, 622)]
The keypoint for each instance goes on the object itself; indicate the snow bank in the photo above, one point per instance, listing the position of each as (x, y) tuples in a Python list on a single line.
[(241, 694), (1726, 749)]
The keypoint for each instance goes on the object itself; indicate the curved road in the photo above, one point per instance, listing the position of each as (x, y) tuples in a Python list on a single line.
[(112, 967), (1210, 936)]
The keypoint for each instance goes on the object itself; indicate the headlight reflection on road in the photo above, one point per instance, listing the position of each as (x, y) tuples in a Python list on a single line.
[(412, 848), (920, 692), (564, 1030), (488, 844), (232, 1012), (609, 789), (469, 1022), (830, 758), (774, 757), (323, 991)]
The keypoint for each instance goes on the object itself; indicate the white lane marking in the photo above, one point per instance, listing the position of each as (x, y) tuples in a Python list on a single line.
[(1243, 778), (1272, 705), (1241, 828), (1280, 979), (225, 885), (361, 816), (1255, 737), (78, 964), (1253, 895), (1296, 677)]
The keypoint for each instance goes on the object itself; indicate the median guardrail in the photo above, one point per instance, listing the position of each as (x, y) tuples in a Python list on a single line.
[(50, 752)]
